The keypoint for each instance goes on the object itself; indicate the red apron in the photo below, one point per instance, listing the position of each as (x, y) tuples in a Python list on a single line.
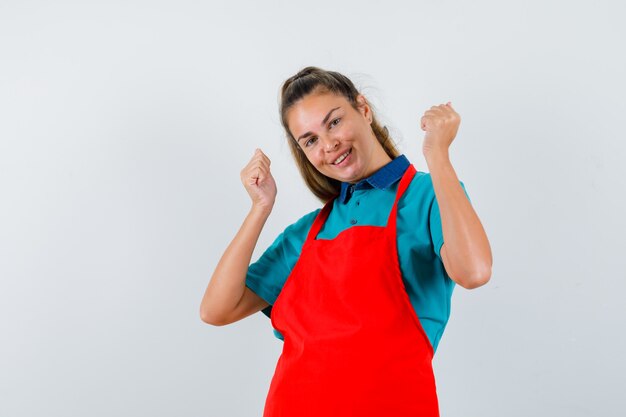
[(353, 345)]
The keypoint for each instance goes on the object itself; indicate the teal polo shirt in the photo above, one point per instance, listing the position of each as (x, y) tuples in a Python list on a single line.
[(369, 202)]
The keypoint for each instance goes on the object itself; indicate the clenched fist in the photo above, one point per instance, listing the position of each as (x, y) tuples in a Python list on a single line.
[(440, 124), (258, 181)]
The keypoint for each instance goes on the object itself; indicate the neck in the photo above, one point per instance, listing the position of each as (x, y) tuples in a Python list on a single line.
[(377, 162)]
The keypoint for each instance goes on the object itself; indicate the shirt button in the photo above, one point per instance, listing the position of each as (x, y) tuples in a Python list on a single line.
[(358, 202), (353, 221)]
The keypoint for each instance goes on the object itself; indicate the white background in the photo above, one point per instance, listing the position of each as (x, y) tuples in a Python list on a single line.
[(123, 128)]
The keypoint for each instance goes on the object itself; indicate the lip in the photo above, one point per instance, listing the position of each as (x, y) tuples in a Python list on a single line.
[(338, 155)]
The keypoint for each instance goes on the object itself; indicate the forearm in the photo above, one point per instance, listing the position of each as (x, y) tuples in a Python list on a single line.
[(466, 245), (227, 283)]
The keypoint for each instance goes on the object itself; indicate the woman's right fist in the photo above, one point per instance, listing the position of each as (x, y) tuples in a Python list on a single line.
[(258, 181)]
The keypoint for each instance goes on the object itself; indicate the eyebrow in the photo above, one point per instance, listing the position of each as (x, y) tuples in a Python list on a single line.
[(321, 124)]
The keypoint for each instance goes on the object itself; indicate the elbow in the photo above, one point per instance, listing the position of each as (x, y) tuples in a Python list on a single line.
[(211, 319), (476, 280), (205, 317)]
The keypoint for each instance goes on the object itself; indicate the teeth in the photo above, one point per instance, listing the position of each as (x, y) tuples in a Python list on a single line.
[(341, 158)]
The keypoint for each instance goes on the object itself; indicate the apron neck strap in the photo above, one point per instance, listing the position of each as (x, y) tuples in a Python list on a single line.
[(320, 219), (404, 184)]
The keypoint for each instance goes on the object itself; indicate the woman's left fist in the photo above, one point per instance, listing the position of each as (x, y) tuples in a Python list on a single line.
[(440, 124)]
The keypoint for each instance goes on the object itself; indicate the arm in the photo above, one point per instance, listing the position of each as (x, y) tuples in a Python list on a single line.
[(227, 287), (226, 298), (466, 253)]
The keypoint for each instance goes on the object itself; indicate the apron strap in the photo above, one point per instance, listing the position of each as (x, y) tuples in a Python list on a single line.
[(404, 184), (320, 219)]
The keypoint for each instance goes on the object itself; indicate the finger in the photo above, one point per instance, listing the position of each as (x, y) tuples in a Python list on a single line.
[(255, 170), (256, 177), (265, 160), (437, 109), (260, 173), (261, 158), (259, 153), (258, 160), (250, 171), (446, 107), (262, 165), (257, 156), (441, 107)]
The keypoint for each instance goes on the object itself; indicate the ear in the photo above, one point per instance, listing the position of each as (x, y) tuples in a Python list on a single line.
[(364, 107)]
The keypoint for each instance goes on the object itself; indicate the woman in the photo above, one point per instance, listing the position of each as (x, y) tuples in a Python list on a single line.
[(358, 290)]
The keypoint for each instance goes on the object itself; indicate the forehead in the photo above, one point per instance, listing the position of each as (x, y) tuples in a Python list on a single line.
[(309, 111)]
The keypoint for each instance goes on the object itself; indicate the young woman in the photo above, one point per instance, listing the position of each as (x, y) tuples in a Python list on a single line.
[(359, 290)]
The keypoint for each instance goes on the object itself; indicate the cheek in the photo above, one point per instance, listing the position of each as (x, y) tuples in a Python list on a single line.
[(313, 156), (349, 133)]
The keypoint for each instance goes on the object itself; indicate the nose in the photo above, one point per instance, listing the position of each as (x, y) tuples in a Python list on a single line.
[(331, 144)]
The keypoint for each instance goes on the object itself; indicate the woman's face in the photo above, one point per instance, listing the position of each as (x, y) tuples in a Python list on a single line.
[(337, 139)]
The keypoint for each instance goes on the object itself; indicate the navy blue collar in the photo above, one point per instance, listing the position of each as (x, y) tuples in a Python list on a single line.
[(381, 179)]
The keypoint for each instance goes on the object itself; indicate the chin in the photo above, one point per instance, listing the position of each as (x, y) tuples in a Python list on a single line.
[(349, 178), (346, 175)]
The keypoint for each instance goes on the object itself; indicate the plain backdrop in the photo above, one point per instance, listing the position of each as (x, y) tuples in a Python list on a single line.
[(124, 126)]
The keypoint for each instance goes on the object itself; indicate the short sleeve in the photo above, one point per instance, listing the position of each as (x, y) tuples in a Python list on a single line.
[(436, 231), (268, 274)]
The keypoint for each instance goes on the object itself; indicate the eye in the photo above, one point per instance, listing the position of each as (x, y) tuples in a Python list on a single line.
[(336, 120), (310, 141)]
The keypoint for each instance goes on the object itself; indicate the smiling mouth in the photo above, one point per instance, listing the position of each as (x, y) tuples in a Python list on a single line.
[(342, 157)]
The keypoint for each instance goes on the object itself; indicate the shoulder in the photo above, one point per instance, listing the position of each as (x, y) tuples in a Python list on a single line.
[(303, 224), (278, 259), (296, 232), (420, 190), (415, 207), (421, 187)]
